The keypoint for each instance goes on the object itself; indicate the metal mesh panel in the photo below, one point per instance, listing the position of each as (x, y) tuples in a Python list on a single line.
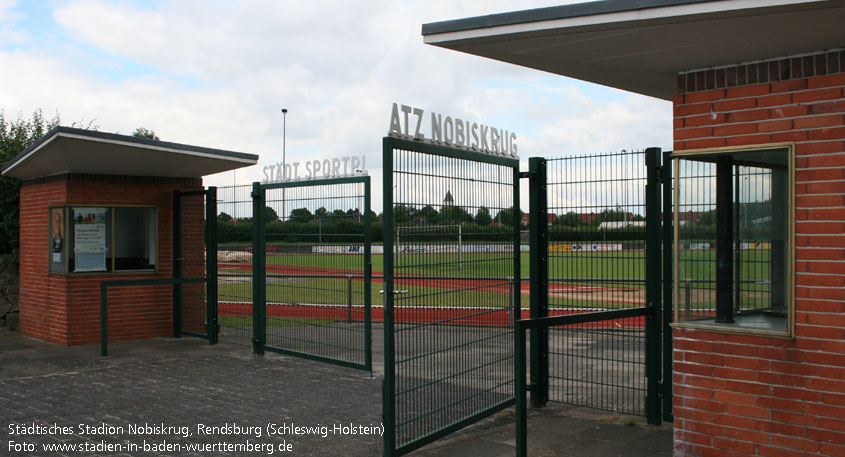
[(315, 271), (453, 242), (192, 262), (596, 207), (234, 257)]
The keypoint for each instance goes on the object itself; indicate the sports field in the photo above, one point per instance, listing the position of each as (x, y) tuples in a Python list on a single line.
[(334, 283)]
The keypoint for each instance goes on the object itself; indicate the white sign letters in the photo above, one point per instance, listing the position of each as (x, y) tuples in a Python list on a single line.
[(406, 122), (316, 169)]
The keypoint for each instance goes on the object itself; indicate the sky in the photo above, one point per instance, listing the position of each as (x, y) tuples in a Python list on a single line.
[(217, 74)]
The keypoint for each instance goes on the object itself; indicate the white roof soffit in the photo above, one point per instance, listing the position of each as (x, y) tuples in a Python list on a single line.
[(642, 46), (69, 150)]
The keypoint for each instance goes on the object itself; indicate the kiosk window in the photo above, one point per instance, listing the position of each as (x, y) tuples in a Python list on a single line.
[(102, 239), (733, 243), (134, 243)]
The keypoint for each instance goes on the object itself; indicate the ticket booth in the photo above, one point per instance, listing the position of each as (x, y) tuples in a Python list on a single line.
[(95, 207)]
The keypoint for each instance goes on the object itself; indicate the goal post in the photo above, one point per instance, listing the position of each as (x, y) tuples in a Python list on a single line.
[(421, 231)]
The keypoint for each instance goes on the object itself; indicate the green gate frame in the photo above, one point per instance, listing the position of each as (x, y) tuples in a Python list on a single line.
[(259, 271), (209, 279), (657, 312), (210, 233), (389, 144)]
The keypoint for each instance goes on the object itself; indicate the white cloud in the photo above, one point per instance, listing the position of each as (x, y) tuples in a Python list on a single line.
[(8, 32), (217, 73)]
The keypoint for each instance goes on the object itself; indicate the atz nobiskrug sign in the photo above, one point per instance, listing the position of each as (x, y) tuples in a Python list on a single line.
[(406, 122)]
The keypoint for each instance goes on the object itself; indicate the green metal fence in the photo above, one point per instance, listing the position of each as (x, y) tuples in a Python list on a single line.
[(194, 241), (311, 270), (449, 214), (597, 241), (234, 259), (596, 293)]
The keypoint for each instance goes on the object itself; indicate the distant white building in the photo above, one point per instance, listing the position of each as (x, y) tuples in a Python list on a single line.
[(613, 225)]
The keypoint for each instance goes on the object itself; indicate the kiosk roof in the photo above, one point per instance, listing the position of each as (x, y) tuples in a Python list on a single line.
[(71, 150), (642, 46)]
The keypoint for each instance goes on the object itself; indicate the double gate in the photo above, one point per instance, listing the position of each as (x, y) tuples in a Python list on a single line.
[(458, 344), (597, 331)]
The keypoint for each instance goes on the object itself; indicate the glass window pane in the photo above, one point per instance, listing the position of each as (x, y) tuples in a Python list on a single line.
[(89, 230), (134, 244), (757, 267)]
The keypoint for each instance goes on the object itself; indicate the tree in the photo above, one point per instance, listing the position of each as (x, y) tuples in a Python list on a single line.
[(402, 214), (270, 215), (301, 215), (223, 217), (483, 217), (450, 215), (506, 216), (15, 137), (321, 212), (569, 219), (428, 215), (142, 132), (612, 215)]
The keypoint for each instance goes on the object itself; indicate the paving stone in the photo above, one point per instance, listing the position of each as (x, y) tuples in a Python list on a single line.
[(185, 382)]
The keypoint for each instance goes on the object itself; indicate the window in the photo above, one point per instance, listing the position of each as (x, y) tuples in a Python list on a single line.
[(734, 239), (102, 239)]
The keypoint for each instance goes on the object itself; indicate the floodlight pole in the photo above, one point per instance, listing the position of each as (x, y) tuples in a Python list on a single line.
[(284, 157)]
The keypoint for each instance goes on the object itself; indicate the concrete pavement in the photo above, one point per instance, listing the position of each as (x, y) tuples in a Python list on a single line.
[(169, 396)]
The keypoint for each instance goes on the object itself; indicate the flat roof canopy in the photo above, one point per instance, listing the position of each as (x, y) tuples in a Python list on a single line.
[(641, 46), (70, 150)]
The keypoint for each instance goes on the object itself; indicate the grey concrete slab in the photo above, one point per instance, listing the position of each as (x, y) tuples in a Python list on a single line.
[(185, 382)]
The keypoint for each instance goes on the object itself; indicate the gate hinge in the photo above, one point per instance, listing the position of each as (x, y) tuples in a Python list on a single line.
[(524, 174)]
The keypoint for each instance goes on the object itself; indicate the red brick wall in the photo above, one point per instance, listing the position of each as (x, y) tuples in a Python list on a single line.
[(65, 308), (743, 395), (43, 309)]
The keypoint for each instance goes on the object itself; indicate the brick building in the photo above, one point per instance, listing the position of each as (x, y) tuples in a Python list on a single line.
[(95, 207), (758, 90)]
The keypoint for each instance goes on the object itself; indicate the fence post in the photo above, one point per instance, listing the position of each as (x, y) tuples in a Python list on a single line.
[(211, 264), (368, 273), (177, 263), (519, 379), (388, 402), (539, 282), (654, 321), (668, 284), (259, 272)]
